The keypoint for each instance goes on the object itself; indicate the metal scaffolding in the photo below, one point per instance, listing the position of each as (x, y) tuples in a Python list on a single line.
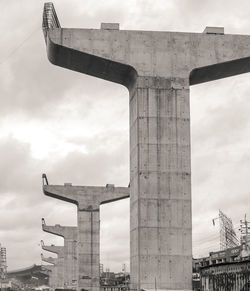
[(3, 263), (228, 237)]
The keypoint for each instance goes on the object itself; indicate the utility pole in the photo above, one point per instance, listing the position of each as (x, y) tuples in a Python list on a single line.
[(3, 265), (244, 228)]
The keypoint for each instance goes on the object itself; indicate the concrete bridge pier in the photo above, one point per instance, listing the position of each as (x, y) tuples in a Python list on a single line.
[(157, 67), (69, 233), (88, 200), (58, 262), (54, 272)]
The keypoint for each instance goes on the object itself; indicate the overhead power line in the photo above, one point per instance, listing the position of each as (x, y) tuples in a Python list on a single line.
[(19, 46)]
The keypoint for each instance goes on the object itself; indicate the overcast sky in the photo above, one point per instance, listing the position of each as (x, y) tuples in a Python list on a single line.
[(75, 127)]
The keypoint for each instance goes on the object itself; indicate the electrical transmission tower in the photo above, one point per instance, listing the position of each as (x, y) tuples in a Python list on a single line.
[(228, 237), (244, 229), (124, 268), (3, 264)]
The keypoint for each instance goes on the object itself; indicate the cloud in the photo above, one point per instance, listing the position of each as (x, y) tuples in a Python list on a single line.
[(98, 168), (25, 84), (16, 169), (114, 242), (220, 160)]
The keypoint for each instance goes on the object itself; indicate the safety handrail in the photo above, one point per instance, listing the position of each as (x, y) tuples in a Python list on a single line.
[(45, 179), (50, 19)]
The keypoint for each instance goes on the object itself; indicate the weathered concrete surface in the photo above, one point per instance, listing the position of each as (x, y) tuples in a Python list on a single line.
[(88, 200), (69, 233), (58, 262), (157, 68)]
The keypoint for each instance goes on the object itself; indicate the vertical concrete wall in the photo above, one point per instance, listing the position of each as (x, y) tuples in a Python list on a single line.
[(160, 182)]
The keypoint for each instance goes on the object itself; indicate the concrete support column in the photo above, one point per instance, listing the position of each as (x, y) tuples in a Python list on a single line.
[(88, 200), (71, 269), (59, 250), (54, 270), (160, 182), (88, 247), (69, 233)]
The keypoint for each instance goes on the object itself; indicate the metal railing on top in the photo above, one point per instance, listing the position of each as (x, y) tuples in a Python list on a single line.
[(50, 19)]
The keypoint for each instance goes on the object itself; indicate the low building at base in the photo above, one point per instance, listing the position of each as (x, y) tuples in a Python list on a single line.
[(226, 276)]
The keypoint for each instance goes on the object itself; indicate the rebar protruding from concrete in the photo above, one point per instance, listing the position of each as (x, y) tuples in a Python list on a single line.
[(88, 200), (69, 233)]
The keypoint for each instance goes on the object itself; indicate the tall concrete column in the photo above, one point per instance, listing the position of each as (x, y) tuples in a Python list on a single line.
[(69, 233), (161, 252), (157, 68), (88, 200), (54, 271), (59, 250)]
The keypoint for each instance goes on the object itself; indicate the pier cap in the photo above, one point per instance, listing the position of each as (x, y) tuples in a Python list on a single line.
[(123, 56)]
